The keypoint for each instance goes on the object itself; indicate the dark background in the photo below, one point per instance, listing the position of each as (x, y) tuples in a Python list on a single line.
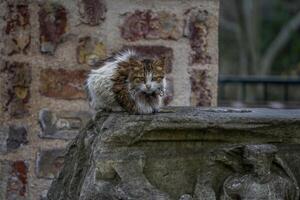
[(260, 53)]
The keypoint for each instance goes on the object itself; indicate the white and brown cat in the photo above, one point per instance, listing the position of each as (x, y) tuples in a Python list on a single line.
[(128, 82)]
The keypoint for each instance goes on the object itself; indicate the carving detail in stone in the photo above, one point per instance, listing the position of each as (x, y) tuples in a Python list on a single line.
[(250, 172), (203, 189), (256, 173), (124, 179), (260, 182)]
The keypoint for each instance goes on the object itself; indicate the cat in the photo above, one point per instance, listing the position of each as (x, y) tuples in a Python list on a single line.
[(128, 82)]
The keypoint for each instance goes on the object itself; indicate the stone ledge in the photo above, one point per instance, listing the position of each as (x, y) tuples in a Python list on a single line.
[(243, 124), (180, 153)]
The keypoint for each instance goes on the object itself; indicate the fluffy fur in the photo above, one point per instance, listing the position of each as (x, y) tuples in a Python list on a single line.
[(127, 82)]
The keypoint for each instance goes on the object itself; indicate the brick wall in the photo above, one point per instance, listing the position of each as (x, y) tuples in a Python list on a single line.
[(48, 47)]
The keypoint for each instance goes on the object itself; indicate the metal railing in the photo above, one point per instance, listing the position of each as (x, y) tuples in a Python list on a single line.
[(265, 82)]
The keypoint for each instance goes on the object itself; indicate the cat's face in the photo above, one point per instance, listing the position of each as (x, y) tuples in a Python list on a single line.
[(147, 76)]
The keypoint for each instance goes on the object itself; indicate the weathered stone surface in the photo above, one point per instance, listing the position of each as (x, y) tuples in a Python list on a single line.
[(64, 84), (260, 182), (92, 12), (49, 162), (4, 167), (17, 30), (15, 92), (201, 94), (12, 137), (4, 130), (17, 137), (186, 197), (17, 180), (89, 51), (78, 154), (197, 30), (43, 196), (53, 25), (63, 124), (147, 24), (180, 153)]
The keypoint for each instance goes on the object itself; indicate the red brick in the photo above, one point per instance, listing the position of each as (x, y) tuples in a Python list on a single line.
[(147, 24), (16, 90), (201, 93), (90, 51), (92, 12), (64, 84), (17, 183), (53, 25), (17, 29), (196, 29)]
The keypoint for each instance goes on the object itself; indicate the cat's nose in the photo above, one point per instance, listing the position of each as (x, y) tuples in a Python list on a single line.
[(148, 86)]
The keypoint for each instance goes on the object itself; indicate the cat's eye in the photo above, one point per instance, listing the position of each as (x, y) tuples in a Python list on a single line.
[(159, 68), (138, 79), (157, 78)]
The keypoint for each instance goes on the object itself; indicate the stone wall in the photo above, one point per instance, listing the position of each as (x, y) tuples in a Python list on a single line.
[(48, 47)]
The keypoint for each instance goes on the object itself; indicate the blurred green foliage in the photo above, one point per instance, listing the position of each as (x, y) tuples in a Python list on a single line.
[(288, 59), (274, 15)]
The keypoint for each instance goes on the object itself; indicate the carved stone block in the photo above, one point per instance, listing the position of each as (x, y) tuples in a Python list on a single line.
[(189, 153), (16, 88), (63, 124), (53, 25), (62, 83), (17, 29), (132, 183), (147, 24), (92, 12), (201, 93), (197, 30), (260, 174), (49, 162)]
